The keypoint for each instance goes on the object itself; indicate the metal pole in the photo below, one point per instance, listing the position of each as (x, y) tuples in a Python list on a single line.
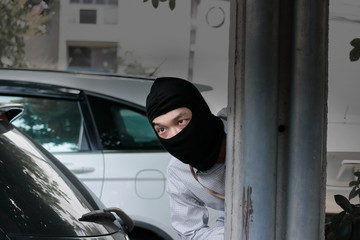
[(251, 165), (275, 153), (307, 155)]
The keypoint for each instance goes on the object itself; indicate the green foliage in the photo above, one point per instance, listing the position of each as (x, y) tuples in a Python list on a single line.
[(355, 52), (356, 186), (346, 224), (19, 19), (155, 3), (12, 31)]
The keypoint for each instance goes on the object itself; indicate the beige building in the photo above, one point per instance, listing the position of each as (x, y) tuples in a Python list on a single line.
[(133, 37)]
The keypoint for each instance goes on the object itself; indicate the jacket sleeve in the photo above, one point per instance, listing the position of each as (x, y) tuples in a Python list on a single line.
[(189, 216)]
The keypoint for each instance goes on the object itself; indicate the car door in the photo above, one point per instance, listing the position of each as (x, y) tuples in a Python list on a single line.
[(135, 162), (57, 123)]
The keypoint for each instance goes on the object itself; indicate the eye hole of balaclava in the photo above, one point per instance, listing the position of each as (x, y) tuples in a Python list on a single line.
[(170, 124)]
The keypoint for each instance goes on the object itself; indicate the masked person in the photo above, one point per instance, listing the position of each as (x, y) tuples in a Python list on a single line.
[(196, 139)]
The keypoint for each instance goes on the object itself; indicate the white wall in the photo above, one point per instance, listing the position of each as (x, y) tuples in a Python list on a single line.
[(343, 140), (344, 77), (159, 36), (211, 52), (151, 34)]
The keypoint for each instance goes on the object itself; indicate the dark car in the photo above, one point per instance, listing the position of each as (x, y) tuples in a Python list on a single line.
[(41, 199)]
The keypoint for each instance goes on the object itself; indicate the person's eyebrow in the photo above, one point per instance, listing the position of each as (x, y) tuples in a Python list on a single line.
[(178, 116)]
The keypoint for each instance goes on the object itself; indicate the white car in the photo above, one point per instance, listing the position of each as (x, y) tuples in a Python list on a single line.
[(97, 126)]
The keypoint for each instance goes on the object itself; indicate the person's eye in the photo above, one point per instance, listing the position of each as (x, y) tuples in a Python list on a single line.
[(183, 122), (160, 130)]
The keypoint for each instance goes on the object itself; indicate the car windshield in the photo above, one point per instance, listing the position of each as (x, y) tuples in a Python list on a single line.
[(36, 198)]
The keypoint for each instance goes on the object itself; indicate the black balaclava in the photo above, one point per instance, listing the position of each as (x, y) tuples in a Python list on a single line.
[(199, 143)]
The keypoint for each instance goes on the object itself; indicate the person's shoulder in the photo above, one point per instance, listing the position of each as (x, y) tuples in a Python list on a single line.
[(177, 173), (223, 113), (176, 165), (177, 169)]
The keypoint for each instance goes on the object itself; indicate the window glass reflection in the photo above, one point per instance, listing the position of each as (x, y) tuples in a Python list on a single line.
[(123, 128), (34, 198), (56, 124)]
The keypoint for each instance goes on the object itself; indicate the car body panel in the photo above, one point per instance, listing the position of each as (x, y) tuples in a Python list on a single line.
[(143, 182), (87, 166)]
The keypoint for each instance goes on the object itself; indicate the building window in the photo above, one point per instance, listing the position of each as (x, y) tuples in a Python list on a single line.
[(113, 2), (102, 2), (80, 57), (94, 58), (87, 16)]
